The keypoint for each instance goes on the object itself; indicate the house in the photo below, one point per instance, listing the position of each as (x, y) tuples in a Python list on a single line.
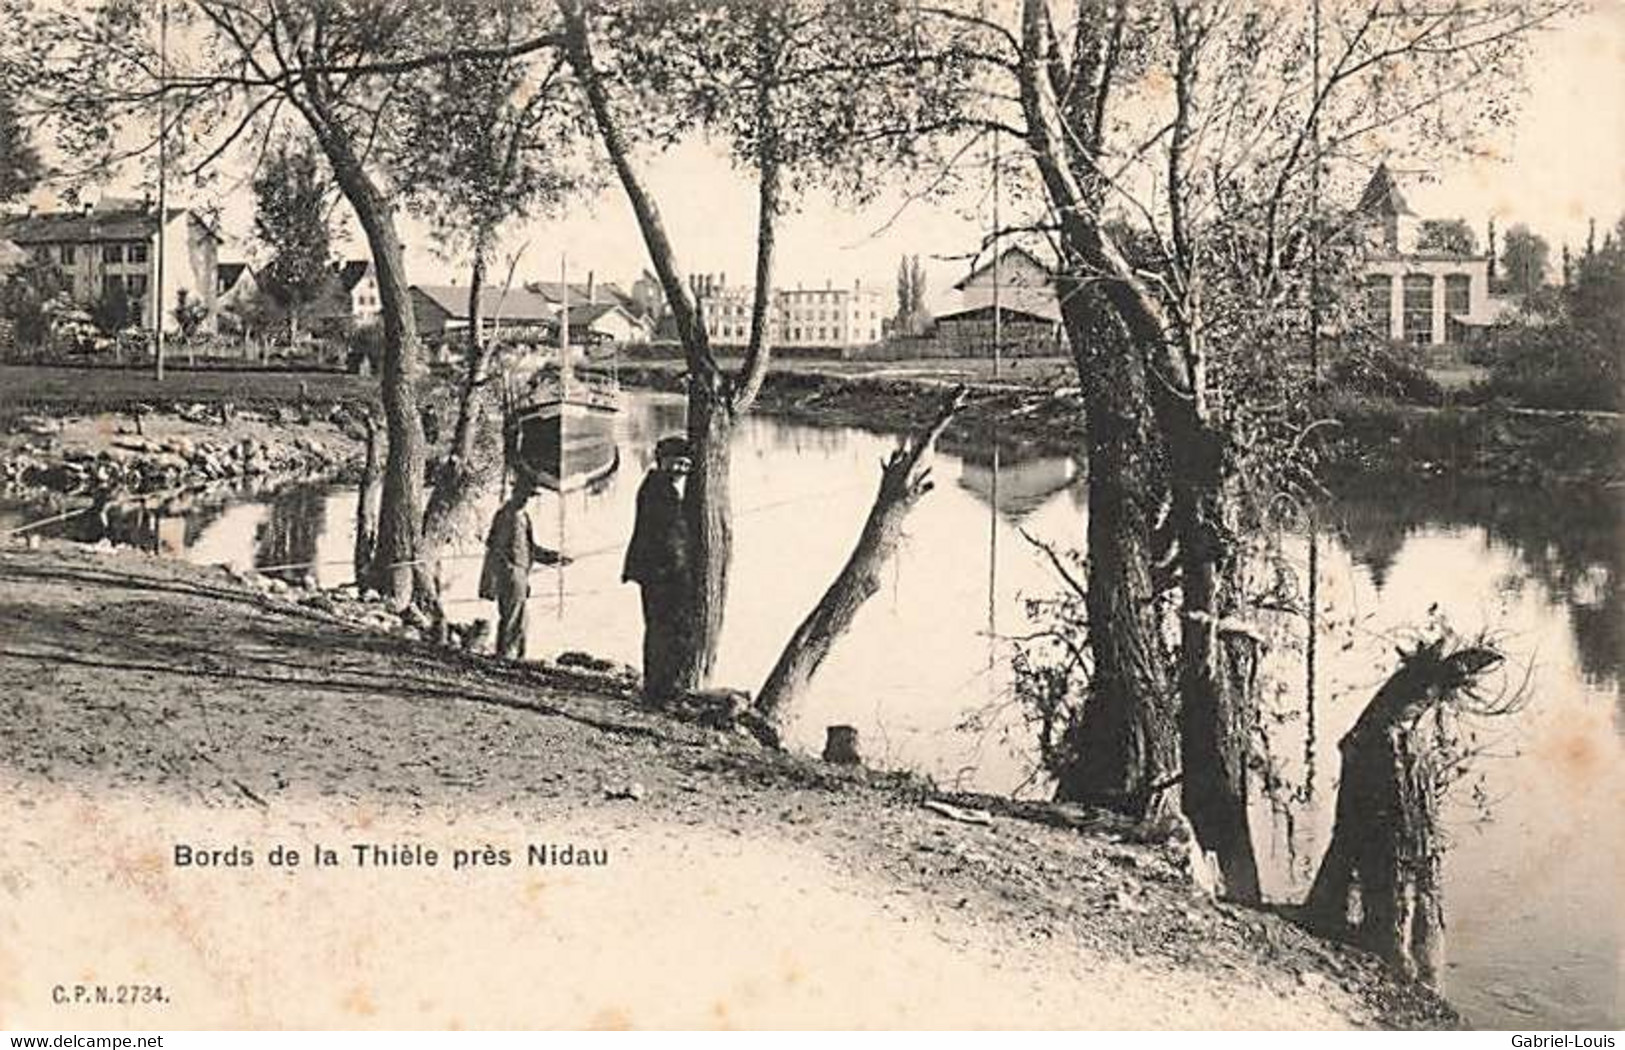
[(113, 247), (348, 299), (1020, 288), (846, 318), (519, 314), (1421, 296), (839, 318), (608, 322)]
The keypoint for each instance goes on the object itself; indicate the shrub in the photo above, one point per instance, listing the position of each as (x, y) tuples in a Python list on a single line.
[(1385, 369)]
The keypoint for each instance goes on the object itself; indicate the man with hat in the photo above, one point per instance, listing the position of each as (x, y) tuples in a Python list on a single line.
[(510, 550), (657, 561)]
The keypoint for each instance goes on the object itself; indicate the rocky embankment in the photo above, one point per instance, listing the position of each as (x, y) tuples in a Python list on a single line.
[(170, 451)]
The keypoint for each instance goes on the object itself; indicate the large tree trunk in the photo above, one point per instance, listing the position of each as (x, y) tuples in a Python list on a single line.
[(1218, 654), (1386, 853), (400, 523), (1124, 747), (708, 511), (368, 500), (900, 488), (472, 463)]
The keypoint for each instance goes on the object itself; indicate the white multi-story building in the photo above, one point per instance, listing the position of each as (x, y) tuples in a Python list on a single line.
[(1425, 297), (797, 317), (830, 316), (112, 248)]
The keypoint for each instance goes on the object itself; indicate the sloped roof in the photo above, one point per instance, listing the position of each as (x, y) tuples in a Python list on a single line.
[(1006, 313), (351, 271), (603, 291), (1381, 195), (228, 274), (1014, 252), (512, 304), (100, 224), (587, 313)]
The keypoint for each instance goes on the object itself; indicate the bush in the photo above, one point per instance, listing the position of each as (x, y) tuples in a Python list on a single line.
[(1384, 369), (364, 343), (1557, 366)]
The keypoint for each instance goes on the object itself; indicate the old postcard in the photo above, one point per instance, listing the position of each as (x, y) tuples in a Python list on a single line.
[(811, 514)]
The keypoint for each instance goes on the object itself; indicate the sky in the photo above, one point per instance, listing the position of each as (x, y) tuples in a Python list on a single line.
[(1562, 163)]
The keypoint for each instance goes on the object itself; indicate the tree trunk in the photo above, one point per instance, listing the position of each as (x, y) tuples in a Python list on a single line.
[(472, 463), (1124, 747), (1385, 843), (859, 578), (708, 512), (715, 401), (1218, 656), (368, 500), (400, 522)]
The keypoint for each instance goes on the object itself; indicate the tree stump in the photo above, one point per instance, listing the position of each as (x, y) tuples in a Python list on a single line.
[(841, 745), (1379, 883)]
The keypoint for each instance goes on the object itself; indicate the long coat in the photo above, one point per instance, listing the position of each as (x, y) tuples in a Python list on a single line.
[(658, 552)]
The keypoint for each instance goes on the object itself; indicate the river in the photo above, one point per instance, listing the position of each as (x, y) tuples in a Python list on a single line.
[(1533, 874)]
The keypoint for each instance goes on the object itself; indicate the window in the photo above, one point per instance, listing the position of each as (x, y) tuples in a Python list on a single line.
[(138, 284), (1380, 303), (113, 284), (1458, 294), (70, 255), (1419, 308), (136, 253), (113, 253)]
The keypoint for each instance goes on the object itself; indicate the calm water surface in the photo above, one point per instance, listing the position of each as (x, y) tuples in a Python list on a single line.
[(1534, 936)]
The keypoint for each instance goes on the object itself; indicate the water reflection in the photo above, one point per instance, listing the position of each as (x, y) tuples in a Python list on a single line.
[(1535, 924), (285, 543), (1573, 553)]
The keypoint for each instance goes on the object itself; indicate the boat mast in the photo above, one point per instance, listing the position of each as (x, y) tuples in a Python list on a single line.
[(993, 515), (565, 372)]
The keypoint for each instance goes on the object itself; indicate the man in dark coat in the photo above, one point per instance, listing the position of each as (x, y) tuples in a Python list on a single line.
[(510, 550), (657, 561)]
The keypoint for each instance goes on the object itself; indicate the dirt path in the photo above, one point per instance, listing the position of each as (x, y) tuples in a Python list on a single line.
[(145, 704)]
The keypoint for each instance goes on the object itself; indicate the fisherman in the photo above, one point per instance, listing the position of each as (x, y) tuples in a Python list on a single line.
[(510, 550), (657, 561)]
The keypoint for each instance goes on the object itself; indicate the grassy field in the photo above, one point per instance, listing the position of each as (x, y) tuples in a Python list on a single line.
[(28, 387)]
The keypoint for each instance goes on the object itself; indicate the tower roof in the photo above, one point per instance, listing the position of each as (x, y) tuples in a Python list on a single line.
[(1382, 196)]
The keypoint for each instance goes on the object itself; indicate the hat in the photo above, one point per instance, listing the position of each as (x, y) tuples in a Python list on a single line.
[(672, 447)]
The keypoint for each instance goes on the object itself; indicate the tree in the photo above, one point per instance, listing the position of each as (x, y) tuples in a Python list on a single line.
[(20, 165), (334, 67), (1449, 236), (912, 316), (114, 311), (32, 298), (290, 218), (1210, 127), (487, 140), (1566, 349), (189, 314), (1523, 260), (801, 91)]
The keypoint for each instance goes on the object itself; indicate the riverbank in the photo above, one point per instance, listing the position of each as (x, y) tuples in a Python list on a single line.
[(1036, 409), (149, 702)]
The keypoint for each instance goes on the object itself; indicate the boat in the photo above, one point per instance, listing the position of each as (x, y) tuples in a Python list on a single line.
[(560, 426), (561, 430)]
